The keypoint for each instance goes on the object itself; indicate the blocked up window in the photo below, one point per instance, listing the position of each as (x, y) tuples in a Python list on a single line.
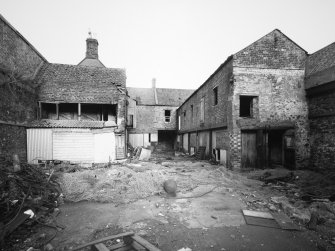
[(202, 110), (167, 114), (130, 120), (215, 95), (247, 106)]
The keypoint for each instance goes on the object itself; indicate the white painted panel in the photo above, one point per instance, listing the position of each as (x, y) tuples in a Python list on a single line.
[(154, 137), (75, 145), (104, 147), (146, 139), (136, 140), (185, 142), (39, 145), (223, 157)]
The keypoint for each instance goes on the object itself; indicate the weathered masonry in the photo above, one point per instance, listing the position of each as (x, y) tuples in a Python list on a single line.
[(152, 115), (82, 111), (19, 63), (320, 88), (252, 111)]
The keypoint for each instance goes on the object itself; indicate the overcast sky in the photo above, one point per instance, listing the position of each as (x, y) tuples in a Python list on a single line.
[(179, 42)]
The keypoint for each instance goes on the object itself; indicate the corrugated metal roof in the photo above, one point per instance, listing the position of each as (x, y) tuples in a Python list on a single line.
[(49, 123)]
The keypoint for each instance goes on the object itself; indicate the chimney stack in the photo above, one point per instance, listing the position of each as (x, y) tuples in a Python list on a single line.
[(154, 89), (92, 48)]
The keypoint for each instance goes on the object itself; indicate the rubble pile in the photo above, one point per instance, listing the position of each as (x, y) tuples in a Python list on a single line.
[(28, 195), (119, 184), (306, 196)]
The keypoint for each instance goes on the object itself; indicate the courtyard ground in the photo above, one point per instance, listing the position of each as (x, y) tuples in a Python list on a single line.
[(205, 214)]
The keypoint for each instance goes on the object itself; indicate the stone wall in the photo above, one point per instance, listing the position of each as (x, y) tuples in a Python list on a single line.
[(150, 119), (281, 100), (18, 100), (214, 115), (322, 130)]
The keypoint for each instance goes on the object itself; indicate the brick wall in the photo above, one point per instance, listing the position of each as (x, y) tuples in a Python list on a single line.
[(214, 115), (322, 130), (149, 119), (17, 99)]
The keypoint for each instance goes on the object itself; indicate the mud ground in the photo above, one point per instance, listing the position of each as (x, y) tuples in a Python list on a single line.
[(206, 217)]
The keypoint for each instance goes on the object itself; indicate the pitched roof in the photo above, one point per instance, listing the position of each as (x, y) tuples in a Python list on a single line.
[(91, 62), (165, 96), (48, 123), (321, 60), (143, 96), (73, 83), (173, 97)]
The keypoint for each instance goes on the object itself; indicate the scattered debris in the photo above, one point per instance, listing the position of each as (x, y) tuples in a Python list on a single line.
[(170, 186)]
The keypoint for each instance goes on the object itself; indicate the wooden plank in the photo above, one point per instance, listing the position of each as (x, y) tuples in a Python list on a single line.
[(145, 243), (104, 239), (99, 247), (258, 214), (138, 247)]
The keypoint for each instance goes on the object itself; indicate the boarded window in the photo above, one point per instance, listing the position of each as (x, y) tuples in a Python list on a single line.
[(167, 114), (215, 95), (202, 110)]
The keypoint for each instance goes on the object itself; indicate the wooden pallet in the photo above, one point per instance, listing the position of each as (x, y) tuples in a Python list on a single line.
[(131, 242)]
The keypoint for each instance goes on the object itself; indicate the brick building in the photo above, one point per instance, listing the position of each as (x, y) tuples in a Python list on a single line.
[(19, 63), (320, 89), (152, 115), (252, 111), (82, 111)]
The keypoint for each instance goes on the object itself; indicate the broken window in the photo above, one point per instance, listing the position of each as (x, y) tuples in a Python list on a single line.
[(215, 94), (167, 114), (98, 112), (48, 111), (68, 111), (202, 110), (247, 106)]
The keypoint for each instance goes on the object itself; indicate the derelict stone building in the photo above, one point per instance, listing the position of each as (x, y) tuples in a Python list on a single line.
[(252, 111)]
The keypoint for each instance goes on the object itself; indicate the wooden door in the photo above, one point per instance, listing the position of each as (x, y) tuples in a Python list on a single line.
[(249, 149)]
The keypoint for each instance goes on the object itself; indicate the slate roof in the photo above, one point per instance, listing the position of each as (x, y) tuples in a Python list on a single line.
[(143, 96), (73, 83), (165, 96), (91, 62), (321, 60), (48, 123), (173, 97)]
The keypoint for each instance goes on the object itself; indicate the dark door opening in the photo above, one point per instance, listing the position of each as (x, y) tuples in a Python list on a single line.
[(275, 148), (166, 139)]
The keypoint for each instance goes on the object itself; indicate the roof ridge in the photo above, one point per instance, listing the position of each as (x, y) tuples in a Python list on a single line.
[(322, 49)]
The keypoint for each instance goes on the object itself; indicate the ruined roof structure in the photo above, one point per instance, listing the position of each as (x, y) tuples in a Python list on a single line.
[(72, 83)]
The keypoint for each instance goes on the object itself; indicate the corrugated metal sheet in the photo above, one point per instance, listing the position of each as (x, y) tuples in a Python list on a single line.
[(75, 145), (39, 145), (104, 147)]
